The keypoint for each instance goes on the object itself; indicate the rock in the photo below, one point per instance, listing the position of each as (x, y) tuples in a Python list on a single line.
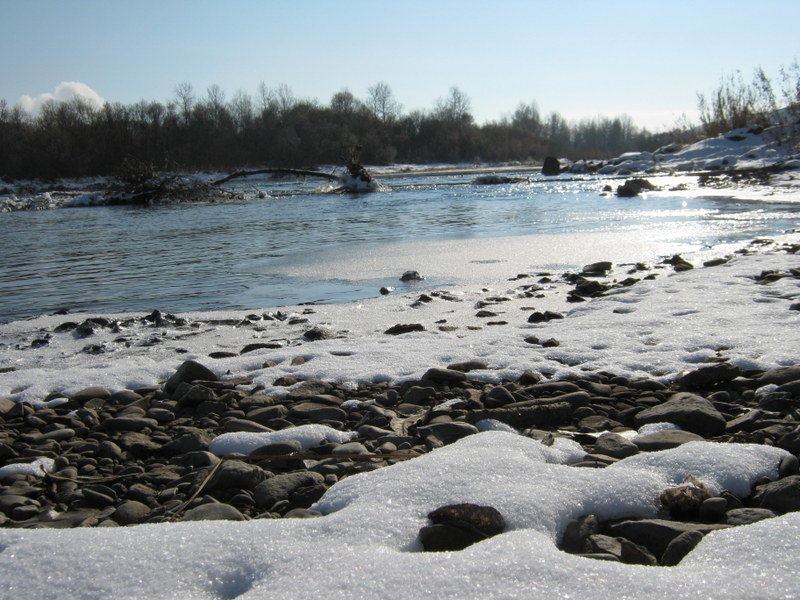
[(634, 187), (689, 411), (614, 445), (441, 434), (411, 276), (313, 411), (656, 534), (524, 416), (498, 396), (679, 547), (460, 525), (236, 474), (386, 290), (404, 328), (678, 263), (598, 268), (192, 441), (789, 465), (778, 376), (710, 376), (318, 333), (280, 487), (302, 513), (131, 512), (745, 516), (444, 376), (188, 372), (193, 395), (781, 496), (551, 166), (234, 425), (417, 394), (625, 550), (713, 509), (577, 533), (467, 366), (663, 440), (542, 317), (129, 424), (213, 511), (86, 394)]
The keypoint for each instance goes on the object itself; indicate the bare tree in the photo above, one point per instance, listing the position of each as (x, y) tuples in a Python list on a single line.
[(241, 108), (455, 106), (185, 94), (382, 103)]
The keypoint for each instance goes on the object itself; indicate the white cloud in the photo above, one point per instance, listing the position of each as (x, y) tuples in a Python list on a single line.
[(64, 92)]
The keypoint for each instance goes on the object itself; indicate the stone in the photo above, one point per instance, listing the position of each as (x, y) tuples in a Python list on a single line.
[(663, 440), (789, 465), (551, 166), (781, 496), (131, 512), (313, 411), (745, 516), (411, 276), (598, 268), (689, 411), (191, 441), (236, 474), (469, 365), (706, 377), (280, 487), (577, 533), (444, 376), (188, 372), (656, 534), (89, 393), (614, 445), (778, 376), (634, 187), (441, 434), (498, 396), (129, 424), (679, 547), (460, 525), (213, 511), (234, 425)]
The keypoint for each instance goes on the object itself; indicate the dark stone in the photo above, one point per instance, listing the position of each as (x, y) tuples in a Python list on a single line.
[(83, 396), (467, 366), (689, 411), (778, 376), (542, 317), (129, 424), (411, 276), (188, 372), (460, 525), (745, 516), (404, 328), (634, 187), (236, 474), (441, 434), (213, 511), (282, 486), (712, 375), (498, 396), (131, 512), (598, 268), (614, 445), (656, 534), (314, 411), (317, 333), (663, 440), (781, 496), (551, 166), (679, 547), (192, 441), (444, 376), (576, 536), (259, 346)]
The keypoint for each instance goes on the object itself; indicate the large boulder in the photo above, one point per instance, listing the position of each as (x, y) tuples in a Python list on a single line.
[(551, 166)]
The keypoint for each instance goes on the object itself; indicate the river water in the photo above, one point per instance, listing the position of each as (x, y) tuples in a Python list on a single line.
[(220, 256)]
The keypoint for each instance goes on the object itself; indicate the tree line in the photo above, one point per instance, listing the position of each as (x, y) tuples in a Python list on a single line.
[(196, 131)]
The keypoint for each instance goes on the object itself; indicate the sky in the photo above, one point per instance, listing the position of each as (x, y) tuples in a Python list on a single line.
[(581, 59)]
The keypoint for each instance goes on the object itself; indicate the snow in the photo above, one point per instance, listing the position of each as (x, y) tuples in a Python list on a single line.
[(309, 436), (655, 328), (37, 468), (365, 546)]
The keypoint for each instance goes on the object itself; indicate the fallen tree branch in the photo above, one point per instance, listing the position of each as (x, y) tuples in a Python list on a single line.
[(297, 172)]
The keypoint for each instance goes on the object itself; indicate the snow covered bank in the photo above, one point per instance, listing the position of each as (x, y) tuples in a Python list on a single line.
[(366, 546), (657, 327)]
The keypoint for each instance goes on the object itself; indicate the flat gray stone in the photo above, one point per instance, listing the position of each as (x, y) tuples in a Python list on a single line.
[(213, 511), (663, 440), (689, 411)]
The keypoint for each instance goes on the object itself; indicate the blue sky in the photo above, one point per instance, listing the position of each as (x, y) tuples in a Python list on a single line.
[(580, 58)]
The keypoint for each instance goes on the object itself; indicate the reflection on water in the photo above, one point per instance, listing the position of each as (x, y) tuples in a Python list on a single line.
[(219, 256)]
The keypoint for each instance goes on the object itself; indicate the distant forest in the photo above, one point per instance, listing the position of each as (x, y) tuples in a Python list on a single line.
[(197, 131)]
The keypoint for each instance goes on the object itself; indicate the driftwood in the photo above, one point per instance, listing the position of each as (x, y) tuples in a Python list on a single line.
[(297, 172)]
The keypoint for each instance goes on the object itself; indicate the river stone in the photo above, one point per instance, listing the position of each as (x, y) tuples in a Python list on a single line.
[(498, 396), (234, 425), (402, 328), (460, 525), (656, 534), (236, 474), (89, 393), (745, 516), (577, 533), (689, 411), (614, 445), (781, 496), (679, 547), (131, 512), (663, 440), (282, 486), (314, 411), (192, 441), (444, 376), (778, 376), (6, 405), (265, 414), (189, 371), (441, 434), (709, 376), (213, 511), (129, 423)]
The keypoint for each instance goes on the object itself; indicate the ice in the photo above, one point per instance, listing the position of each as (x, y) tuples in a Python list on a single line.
[(309, 436), (366, 546)]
